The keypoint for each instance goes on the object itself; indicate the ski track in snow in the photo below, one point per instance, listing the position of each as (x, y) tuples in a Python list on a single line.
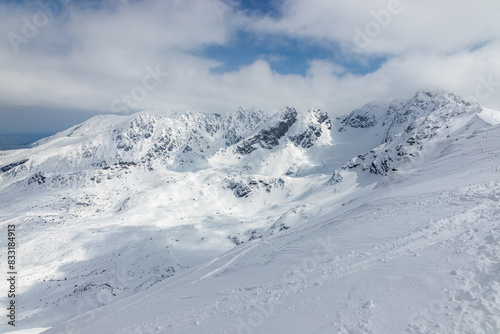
[(227, 264)]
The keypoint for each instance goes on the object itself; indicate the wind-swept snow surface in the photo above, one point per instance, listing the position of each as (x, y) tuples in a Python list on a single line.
[(382, 221)]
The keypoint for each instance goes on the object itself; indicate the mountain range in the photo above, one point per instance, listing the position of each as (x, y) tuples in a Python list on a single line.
[(383, 220)]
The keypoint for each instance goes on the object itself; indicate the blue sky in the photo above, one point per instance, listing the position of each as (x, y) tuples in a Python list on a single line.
[(81, 58), (285, 55), (262, 7)]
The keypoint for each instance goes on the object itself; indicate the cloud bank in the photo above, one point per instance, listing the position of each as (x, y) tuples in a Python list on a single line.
[(102, 56)]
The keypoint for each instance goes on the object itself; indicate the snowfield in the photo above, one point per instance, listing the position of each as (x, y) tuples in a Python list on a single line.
[(384, 220)]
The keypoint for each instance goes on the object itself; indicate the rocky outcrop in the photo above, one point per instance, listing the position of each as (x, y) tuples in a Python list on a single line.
[(270, 135), (313, 128)]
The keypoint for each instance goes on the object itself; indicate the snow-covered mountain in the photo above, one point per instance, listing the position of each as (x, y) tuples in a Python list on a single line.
[(407, 129), (163, 222)]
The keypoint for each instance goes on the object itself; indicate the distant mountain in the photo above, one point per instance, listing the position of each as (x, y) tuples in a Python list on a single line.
[(405, 129), (179, 141)]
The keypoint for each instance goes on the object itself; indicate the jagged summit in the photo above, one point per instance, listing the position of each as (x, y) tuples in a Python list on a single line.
[(241, 122), (398, 113), (269, 136), (406, 128), (402, 113)]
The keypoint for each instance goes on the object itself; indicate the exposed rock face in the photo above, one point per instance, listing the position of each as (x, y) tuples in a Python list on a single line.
[(317, 119), (240, 122), (8, 167), (302, 129), (243, 188), (360, 119), (269, 136), (240, 188)]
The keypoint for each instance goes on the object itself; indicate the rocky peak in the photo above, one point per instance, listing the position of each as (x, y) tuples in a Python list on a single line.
[(401, 114), (271, 132), (366, 117), (410, 127), (241, 123), (311, 125)]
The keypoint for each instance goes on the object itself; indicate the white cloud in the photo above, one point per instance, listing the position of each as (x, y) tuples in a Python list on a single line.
[(87, 58), (403, 25)]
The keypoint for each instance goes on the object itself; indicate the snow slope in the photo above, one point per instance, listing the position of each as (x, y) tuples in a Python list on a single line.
[(254, 235)]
